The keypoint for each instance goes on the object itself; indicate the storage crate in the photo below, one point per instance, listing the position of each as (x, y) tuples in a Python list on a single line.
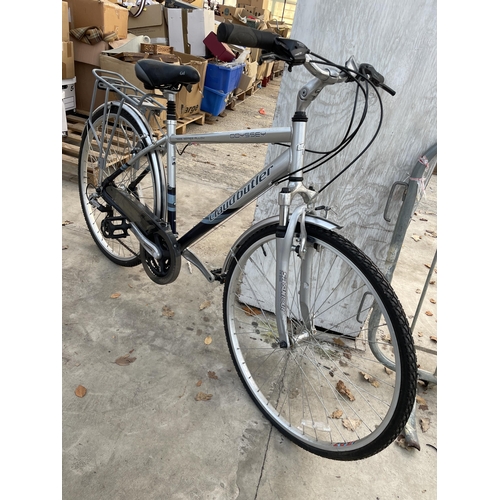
[(214, 101), (223, 78)]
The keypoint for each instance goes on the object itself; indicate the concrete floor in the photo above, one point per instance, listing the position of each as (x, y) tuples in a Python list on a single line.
[(139, 433)]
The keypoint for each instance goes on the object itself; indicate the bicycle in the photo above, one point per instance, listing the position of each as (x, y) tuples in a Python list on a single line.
[(317, 335)]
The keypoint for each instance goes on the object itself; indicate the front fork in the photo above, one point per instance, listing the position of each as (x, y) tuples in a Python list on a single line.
[(284, 248)]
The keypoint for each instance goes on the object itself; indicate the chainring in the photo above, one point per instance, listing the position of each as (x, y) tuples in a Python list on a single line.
[(166, 269)]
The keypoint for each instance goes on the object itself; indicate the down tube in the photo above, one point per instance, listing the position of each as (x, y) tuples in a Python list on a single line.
[(242, 197)]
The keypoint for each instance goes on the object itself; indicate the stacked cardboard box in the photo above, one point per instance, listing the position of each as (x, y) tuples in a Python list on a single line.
[(188, 30), (68, 59)]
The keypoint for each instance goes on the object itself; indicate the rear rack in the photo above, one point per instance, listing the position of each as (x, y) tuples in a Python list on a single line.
[(109, 81)]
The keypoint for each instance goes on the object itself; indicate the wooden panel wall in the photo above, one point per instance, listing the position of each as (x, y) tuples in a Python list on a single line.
[(400, 40)]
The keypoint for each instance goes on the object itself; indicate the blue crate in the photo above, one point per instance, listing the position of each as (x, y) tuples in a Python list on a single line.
[(223, 78), (214, 101)]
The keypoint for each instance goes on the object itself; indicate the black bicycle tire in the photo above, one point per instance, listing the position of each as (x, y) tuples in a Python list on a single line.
[(158, 209), (407, 392)]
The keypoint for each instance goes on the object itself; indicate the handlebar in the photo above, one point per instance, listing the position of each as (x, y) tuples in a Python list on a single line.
[(293, 52)]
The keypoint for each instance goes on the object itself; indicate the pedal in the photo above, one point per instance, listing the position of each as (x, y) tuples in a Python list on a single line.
[(218, 276), (115, 227)]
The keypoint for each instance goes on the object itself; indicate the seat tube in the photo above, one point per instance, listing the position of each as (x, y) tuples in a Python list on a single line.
[(171, 202)]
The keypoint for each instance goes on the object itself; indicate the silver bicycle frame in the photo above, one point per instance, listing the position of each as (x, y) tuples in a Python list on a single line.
[(290, 163)]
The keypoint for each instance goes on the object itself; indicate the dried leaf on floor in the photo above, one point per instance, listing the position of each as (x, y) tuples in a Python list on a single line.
[(425, 424), (416, 237), (199, 383), (421, 400), (400, 441), (429, 313), (67, 222), (351, 423), (167, 312), (65, 247), (342, 389), (204, 305), (433, 301), (80, 391), (208, 340), (115, 295), (213, 376), (201, 396), (433, 337), (370, 379), (124, 360), (337, 414)]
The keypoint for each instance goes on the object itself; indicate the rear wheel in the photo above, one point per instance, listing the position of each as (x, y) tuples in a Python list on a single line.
[(345, 387), (121, 135)]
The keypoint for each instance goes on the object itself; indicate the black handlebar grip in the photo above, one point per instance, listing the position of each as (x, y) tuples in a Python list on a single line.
[(245, 36)]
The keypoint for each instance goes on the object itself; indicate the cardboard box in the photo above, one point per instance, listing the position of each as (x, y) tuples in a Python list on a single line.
[(262, 14), (126, 69), (187, 103), (251, 69), (84, 88), (220, 50), (188, 28), (227, 11), (68, 61), (279, 27), (259, 4), (264, 70), (239, 14), (89, 54), (245, 83), (195, 3), (65, 22), (106, 15), (248, 77), (151, 22)]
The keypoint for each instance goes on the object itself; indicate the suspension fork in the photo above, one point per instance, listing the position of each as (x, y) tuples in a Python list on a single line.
[(305, 251), (286, 229)]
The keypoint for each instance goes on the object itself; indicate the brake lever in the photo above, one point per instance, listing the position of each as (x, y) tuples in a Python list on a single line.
[(370, 73)]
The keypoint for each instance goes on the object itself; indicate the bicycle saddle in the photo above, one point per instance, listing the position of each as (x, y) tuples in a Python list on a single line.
[(159, 75)]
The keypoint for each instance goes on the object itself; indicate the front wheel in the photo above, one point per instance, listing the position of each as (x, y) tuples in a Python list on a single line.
[(345, 387)]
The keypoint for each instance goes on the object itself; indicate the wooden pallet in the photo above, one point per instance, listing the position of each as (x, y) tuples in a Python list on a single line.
[(71, 146), (182, 123)]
